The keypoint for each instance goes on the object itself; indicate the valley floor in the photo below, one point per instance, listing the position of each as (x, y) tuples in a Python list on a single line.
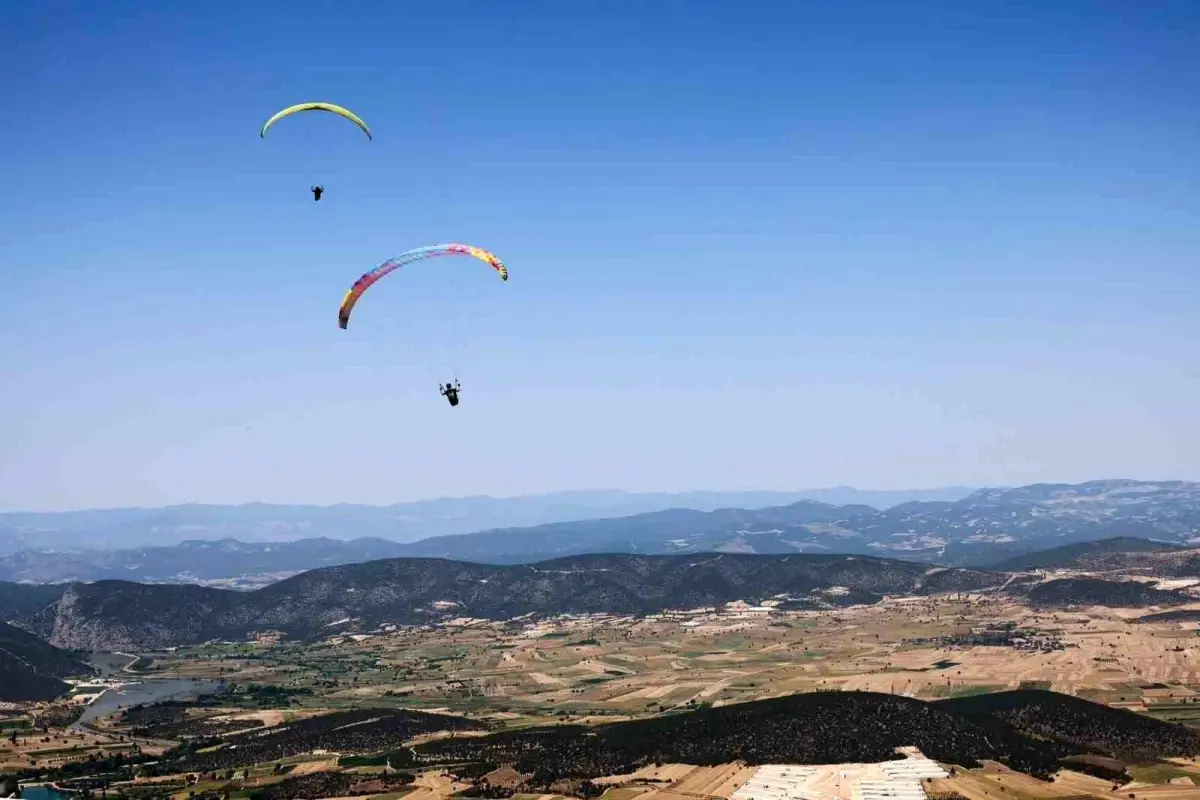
[(514, 674), (605, 667)]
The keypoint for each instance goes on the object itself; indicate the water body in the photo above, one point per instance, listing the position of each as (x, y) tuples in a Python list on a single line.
[(151, 691), (42, 793), (110, 665)]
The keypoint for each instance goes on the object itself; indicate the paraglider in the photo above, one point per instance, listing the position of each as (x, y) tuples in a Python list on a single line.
[(345, 113), (450, 392), (330, 107), (418, 254)]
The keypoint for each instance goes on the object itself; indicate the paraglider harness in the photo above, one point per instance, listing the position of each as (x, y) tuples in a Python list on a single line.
[(316, 190), (450, 392)]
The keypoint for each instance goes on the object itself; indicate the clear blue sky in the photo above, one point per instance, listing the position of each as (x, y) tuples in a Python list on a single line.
[(768, 245)]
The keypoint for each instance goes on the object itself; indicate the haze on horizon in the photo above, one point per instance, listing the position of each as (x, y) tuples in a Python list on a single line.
[(814, 245), (600, 498)]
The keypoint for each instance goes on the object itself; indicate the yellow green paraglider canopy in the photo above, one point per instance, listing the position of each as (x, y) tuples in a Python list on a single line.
[(330, 107)]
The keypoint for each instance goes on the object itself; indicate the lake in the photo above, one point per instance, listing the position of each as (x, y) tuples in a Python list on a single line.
[(42, 793), (151, 691), (110, 664)]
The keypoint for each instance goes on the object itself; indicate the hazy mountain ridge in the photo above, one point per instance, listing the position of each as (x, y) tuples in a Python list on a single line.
[(400, 522), (198, 562), (120, 615), (979, 530)]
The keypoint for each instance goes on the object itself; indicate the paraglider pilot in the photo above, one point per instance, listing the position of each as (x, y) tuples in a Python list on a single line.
[(316, 190), (450, 392)]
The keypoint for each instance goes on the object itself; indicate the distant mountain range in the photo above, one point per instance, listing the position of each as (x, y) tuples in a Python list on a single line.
[(402, 522), (980, 529), (988, 527), (224, 562)]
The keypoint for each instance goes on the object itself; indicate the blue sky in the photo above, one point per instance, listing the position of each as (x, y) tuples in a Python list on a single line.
[(770, 245)]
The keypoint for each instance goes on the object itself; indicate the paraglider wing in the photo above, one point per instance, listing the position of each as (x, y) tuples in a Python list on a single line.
[(330, 107), (393, 264)]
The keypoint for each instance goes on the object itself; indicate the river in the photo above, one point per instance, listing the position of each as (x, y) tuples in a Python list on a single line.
[(149, 691)]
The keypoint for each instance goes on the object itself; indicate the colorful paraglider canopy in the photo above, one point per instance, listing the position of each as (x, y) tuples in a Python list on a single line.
[(330, 107), (420, 253)]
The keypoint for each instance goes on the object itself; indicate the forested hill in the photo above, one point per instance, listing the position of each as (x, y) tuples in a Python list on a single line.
[(118, 614), (1033, 732), (30, 669), (1123, 554)]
